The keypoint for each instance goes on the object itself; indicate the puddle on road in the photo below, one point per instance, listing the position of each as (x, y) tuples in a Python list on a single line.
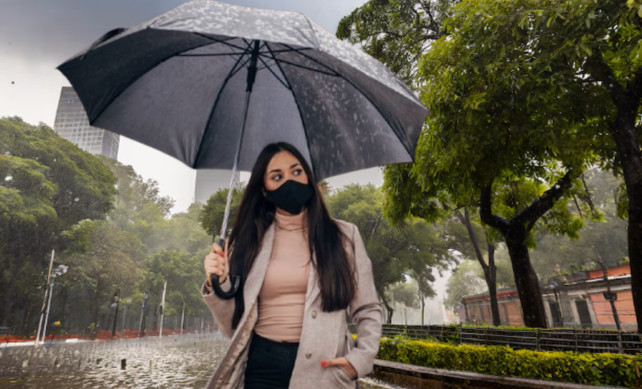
[(173, 362)]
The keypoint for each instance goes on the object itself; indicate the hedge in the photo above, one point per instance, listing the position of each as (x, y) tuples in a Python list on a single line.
[(591, 369)]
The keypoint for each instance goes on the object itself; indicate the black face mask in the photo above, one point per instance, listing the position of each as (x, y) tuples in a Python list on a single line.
[(291, 196)]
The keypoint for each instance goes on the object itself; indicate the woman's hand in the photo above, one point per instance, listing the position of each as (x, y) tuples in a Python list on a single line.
[(216, 264), (342, 363)]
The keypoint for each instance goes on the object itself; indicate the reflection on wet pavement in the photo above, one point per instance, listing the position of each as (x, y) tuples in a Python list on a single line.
[(173, 362), (185, 361)]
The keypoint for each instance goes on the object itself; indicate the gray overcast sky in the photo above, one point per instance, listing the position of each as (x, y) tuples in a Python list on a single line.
[(38, 35)]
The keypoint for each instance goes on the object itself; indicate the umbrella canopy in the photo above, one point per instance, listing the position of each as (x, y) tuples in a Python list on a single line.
[(179, 83)]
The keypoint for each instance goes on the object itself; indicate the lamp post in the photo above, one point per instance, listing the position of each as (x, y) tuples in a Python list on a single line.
[(115, 306), (60, 270), (142, 315), (611, 297)]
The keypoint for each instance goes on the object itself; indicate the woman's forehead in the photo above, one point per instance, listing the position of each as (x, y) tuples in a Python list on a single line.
[(282, 160)]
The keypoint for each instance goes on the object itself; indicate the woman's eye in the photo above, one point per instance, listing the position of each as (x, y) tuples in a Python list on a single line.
[(298, 172), (277, 177)]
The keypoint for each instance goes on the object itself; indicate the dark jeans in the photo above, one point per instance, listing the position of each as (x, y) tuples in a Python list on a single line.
[(269, 364)]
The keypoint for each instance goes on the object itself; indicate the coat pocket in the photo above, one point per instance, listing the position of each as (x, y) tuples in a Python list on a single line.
[(342, 379)]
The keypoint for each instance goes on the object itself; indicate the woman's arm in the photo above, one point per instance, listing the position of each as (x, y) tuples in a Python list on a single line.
[(365, 311), (222, 310)]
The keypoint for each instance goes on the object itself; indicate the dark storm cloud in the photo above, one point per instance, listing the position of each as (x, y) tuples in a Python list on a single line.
[(46, 30)]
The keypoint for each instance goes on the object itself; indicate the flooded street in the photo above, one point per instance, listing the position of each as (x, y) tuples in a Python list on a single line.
[(174, 362)]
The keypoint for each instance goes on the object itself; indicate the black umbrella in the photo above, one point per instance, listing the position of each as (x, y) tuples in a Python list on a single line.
[(212, 84)]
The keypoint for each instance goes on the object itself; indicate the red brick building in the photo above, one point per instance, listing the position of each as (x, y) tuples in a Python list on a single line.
[(570, 301)]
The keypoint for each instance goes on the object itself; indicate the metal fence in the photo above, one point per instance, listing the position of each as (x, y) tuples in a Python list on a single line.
[(577, 340)]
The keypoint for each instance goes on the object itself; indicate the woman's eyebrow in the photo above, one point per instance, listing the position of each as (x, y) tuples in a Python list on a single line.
[(294, 165), (274, 170)]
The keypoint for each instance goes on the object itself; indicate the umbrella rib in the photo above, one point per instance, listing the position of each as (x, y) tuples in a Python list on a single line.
[(235, 69), (274, 74), (209, 55), (223, 41), (307, 68), (92, 119), (298, 107), (401, 137)]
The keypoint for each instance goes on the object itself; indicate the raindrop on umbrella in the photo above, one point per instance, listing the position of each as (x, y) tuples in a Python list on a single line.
[(8, 178), (77, 199)]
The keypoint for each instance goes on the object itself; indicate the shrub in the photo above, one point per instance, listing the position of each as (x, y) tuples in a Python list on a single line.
[(591, 369)]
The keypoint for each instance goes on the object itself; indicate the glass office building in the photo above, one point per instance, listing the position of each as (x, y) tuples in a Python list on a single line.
[(72, 124)]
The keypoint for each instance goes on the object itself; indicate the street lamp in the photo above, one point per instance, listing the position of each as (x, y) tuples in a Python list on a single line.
[(58, 271), (142, 315), (115, 306)]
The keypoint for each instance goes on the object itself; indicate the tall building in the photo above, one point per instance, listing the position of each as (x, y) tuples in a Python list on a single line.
[(209, 182), (72, 124)]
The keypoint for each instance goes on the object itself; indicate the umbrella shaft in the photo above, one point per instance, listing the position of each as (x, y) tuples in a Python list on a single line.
[(248, 94)]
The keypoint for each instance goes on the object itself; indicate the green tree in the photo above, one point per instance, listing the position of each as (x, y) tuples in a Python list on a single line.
[(396, 32), (184, 275), (463, 282), (139, 207), (493, 134), (47, 185), (184, 232), (101, 258), (598, 63), (394, 251), (467, 236), (213, 212)]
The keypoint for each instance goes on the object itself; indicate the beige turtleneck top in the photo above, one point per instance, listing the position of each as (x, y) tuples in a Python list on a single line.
[(282, 296)]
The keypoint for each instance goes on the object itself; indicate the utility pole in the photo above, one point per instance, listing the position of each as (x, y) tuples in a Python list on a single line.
[(44, 302), (162, 311), (115, 306), (142, 315)]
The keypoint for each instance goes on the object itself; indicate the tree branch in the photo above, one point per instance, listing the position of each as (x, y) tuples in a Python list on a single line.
[(634, 87), (485, 210), (603, 72), (465, 220), (539, 207)]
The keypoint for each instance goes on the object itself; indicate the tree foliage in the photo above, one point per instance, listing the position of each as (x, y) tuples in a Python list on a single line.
[(47, 185), (414, 247)]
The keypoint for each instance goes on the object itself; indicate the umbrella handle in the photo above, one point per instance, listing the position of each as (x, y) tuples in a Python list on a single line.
[(236, 282)]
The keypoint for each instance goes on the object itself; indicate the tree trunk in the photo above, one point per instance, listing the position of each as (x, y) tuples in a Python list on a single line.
[(389, 310), (515, 232), (490, 271), (627, 100), (623, 131), (526, 279), (423, 309), (490, 274)]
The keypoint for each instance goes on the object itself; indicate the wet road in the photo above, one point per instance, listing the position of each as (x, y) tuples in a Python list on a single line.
[(173, 362)]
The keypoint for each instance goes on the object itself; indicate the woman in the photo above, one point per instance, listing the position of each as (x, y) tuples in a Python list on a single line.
[(300, 270)]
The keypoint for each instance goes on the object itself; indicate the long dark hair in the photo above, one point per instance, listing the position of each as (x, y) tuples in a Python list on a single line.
[(326, 240)]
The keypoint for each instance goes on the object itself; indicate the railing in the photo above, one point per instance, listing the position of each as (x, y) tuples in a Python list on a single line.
[(577, 340), (100, 335)]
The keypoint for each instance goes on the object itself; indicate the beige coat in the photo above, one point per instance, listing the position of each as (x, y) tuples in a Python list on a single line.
[(324, 334)]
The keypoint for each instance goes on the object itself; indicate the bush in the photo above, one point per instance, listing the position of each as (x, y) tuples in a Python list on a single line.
[(591, 369)]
